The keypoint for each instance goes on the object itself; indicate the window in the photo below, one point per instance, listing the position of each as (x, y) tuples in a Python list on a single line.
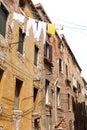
[(21, 41), (68, 101), (3, 19), (58, 96), (73, 104), (48, 37), (61, 47), (78, 87), (35, 93), (36, 124), (22, 3), (74, 81), (35, 55), (66, 70), (47, 91), (48, 51), (60, 65), (35, 98), (18, 86), (1, 74)]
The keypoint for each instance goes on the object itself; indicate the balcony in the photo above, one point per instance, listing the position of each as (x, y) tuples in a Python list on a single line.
[(48, 61)]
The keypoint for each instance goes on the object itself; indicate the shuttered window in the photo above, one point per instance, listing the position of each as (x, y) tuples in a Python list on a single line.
[(21, 41), (48, 51), (3, 19)]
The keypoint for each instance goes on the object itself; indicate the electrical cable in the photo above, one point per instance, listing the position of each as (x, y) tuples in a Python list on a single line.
[(69, 22), (75, 28)]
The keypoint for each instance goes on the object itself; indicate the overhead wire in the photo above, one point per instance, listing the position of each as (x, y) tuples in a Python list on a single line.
[(84, 29), (70, 25), (68, 22)]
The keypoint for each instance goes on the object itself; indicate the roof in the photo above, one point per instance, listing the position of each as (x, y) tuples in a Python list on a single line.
[(39, 6), (35, 11)]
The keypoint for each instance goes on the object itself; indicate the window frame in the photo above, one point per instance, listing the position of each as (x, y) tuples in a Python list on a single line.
[(60, 65), (58, 97), (48, 51), (61, 47), (21, 43), (36, 51), (17, 93), (1, 80), (69, 108), (47, 91), (3, 20)]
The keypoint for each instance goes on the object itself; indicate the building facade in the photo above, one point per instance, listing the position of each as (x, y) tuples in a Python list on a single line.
[(18, 86), (40, 79), (62, 82)]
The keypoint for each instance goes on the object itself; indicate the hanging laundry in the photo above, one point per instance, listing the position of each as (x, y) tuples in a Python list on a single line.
[(59, 27), (37, 27), (51, 28), (41, 27), (17, 17), (31, 23)]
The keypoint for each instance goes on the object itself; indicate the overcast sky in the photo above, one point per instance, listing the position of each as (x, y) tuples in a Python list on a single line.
[(73, 15)]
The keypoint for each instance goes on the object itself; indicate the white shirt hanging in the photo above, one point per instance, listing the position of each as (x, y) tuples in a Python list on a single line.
[(31, 24), (41, 27), (17, 17)]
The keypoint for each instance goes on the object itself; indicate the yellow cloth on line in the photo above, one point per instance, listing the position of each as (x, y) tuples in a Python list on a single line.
[(51, 28)]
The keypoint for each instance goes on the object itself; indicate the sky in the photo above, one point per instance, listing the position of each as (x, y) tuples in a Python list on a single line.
[(72, 15)]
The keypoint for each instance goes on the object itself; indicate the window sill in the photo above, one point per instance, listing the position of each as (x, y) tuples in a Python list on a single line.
[(21, 56)]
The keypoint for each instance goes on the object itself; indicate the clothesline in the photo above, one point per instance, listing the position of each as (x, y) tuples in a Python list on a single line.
[(36, 25)]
